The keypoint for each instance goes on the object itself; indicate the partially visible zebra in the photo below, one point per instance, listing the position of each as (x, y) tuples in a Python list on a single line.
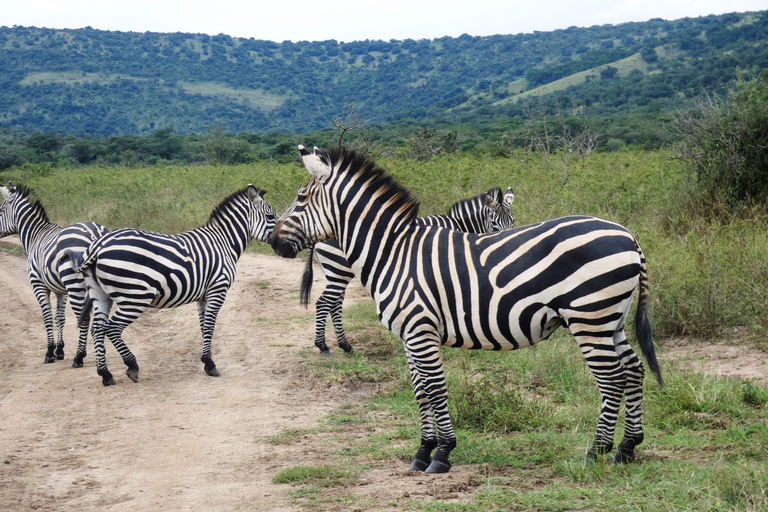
[(485, 213), (501, 291), (138, 269), (45, 244)]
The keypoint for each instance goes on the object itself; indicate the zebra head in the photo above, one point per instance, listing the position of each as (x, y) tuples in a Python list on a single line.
[(500, 214), (295, 230), (261, 216), (7, 221), (344, 185)]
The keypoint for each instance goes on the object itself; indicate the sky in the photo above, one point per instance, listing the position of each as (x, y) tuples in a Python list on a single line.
[(352, 20)]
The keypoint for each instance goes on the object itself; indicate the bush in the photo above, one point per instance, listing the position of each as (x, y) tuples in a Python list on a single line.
[(723, 141)]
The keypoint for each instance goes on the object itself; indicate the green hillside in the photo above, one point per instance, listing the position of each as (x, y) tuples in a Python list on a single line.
[(105, 83)]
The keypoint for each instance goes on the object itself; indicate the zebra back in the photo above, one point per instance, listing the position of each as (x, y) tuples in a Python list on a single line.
[(485, 213)]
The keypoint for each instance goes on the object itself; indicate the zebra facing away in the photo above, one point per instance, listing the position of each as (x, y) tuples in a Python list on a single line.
[(138, 269), (45, 244), (500, 291), (485, 213)]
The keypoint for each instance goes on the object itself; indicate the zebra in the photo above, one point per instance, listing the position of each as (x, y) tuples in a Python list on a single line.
[(49, 272), (139, 269), (499, 291), (485, 213)]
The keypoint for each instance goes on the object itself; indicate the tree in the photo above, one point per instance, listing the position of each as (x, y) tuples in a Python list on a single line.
[(351, 121)]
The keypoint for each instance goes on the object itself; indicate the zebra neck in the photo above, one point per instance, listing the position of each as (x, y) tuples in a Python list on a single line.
[(235, 235), (31, 231)]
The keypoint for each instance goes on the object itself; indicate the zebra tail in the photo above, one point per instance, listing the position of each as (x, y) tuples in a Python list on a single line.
[(643, 324), (306, 280), (78, 259)]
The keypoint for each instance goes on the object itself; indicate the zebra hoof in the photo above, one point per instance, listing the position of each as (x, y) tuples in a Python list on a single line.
[(213, 372), (75, 364), (624, 457), (109, 382), (325, 353), (49, 360), (438, 467), (419, 465), (133, 374)]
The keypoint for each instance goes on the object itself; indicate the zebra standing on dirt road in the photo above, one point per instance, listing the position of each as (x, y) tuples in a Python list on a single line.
[(485, 213), (45, 244), (138, 269), (501, 291)]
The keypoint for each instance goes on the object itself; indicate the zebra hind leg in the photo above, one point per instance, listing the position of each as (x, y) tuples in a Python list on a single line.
[(338, 326), (633, 396), (604, 364), (114, 331), (61, 304), (323, 307)]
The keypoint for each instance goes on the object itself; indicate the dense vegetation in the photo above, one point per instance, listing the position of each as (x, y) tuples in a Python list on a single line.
[(631, 76)]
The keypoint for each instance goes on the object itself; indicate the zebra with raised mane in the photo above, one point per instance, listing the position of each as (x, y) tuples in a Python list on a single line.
[(138, 269), (501, 291), (484, 213), (49, 272)]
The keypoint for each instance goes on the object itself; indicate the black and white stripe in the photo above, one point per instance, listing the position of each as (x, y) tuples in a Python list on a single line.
[(138, 269), (49, 272), (501, 291), (484, 213)]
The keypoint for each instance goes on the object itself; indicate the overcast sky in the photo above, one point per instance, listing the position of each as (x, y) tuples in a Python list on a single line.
[(352, 20)]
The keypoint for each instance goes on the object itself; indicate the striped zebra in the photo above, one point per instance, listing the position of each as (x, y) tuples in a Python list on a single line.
[(485, 213), (138, 269), (45, 244), (500, 291)]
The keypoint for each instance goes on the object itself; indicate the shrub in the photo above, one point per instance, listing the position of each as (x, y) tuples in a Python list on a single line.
[(723, 142)]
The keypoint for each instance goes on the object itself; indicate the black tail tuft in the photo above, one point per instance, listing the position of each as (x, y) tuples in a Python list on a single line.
[(644, 336), (85, 314), (306, 280)]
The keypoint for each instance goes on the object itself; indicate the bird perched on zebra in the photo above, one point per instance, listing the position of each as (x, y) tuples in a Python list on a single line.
[(485, 213), (501, 291), (138, 269), (49, 271)]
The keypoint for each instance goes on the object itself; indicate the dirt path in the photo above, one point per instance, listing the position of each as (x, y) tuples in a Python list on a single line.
[(179, 440)]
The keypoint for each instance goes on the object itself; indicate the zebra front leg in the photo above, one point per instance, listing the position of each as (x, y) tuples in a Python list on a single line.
[(433, 402), (338, 326), (633, 396), (604, 364), (61, 305)]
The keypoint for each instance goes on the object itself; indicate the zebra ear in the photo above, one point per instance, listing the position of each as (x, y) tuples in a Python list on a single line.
[(255, 194), (492, 197), (314, 164), (509, 197)]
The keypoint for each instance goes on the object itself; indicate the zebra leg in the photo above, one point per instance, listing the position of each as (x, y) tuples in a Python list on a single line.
[(61, 305), (42, 294), (122, 318), (423, 457), (338, 326), (77, 297), (323, 307), (604, 363), (101, 306), (207, 311), (428, 367), (633, 396)]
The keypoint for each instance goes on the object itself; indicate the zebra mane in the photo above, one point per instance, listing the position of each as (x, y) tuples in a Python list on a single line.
[(480, 197), (37, 207), (230, 199), (357, 164)]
